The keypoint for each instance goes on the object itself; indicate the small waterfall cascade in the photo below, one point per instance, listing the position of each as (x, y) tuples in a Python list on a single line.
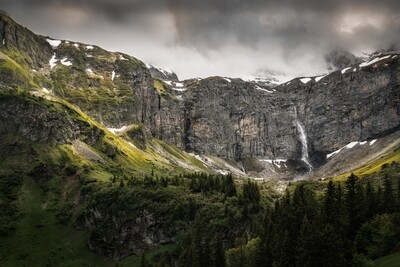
[(303, 139)]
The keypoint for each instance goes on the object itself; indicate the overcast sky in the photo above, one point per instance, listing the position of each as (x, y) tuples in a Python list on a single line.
[(235, 38)]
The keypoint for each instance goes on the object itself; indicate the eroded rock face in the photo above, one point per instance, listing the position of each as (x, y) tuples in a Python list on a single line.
[(236, 119), (36, 122)]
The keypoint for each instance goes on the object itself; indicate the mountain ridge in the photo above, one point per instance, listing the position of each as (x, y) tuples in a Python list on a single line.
[(225, 117)]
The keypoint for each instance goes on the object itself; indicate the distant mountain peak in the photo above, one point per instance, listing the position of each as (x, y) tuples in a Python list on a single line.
[(162, 74), (340, 59)]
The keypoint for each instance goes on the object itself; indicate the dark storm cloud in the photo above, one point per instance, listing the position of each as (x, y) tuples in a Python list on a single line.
[(217, 34)]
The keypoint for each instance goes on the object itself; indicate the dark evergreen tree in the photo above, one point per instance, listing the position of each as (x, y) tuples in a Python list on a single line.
[(219, 253), (389, 200), (371, 200)]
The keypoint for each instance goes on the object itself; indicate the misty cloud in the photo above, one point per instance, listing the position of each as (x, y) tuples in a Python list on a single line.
[(226, 37)]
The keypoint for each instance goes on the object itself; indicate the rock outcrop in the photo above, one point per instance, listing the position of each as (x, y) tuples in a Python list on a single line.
[(39, 121)]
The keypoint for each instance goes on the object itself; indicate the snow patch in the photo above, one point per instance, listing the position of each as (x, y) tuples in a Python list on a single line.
[(228, 80), (179, 89), (132, 145), (352, 144), (89, 47), (121, 57), (373, 61), (346, 69), (47, 91), (117, 130), (87, 55), (372, 142), (355, 69), (54, 43), (53, 61), (317, 79), (262, 89), (305, 80), (168, 82), (179, 85), (76, 45), (66, 62), (89, 71), (349, 145), (333, 153), (112, 75), (276, 162)]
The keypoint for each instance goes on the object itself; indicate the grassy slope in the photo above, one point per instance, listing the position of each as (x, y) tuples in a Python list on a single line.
[(392, 260), (373, 166), (40, 237)]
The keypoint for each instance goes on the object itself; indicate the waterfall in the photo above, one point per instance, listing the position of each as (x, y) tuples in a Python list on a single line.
[(303, 139)]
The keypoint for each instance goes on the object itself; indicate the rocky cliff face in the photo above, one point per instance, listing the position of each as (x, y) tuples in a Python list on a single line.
[(235, 119), (228, 118), (45, 123)]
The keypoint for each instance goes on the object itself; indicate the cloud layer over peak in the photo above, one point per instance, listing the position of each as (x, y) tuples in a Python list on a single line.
[(226, 37)]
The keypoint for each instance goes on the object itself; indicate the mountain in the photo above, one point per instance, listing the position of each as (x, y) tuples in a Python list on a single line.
[(104, 158), (161, 74), (340, 59), (222, 117)]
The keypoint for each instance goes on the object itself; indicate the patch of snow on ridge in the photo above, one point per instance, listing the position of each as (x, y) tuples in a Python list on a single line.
[(54, 43), (179, 85), (317, 79), (373, 61), (372, 142), (112, 75), (349, 145), (66, 62), (346, 69), (89, 71), (163, 71), (228, 80), (262, 89), (53, 61), (305, 80), (89, 47)]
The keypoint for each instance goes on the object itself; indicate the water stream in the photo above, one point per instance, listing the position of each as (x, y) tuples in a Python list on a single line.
[(303, 139)]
